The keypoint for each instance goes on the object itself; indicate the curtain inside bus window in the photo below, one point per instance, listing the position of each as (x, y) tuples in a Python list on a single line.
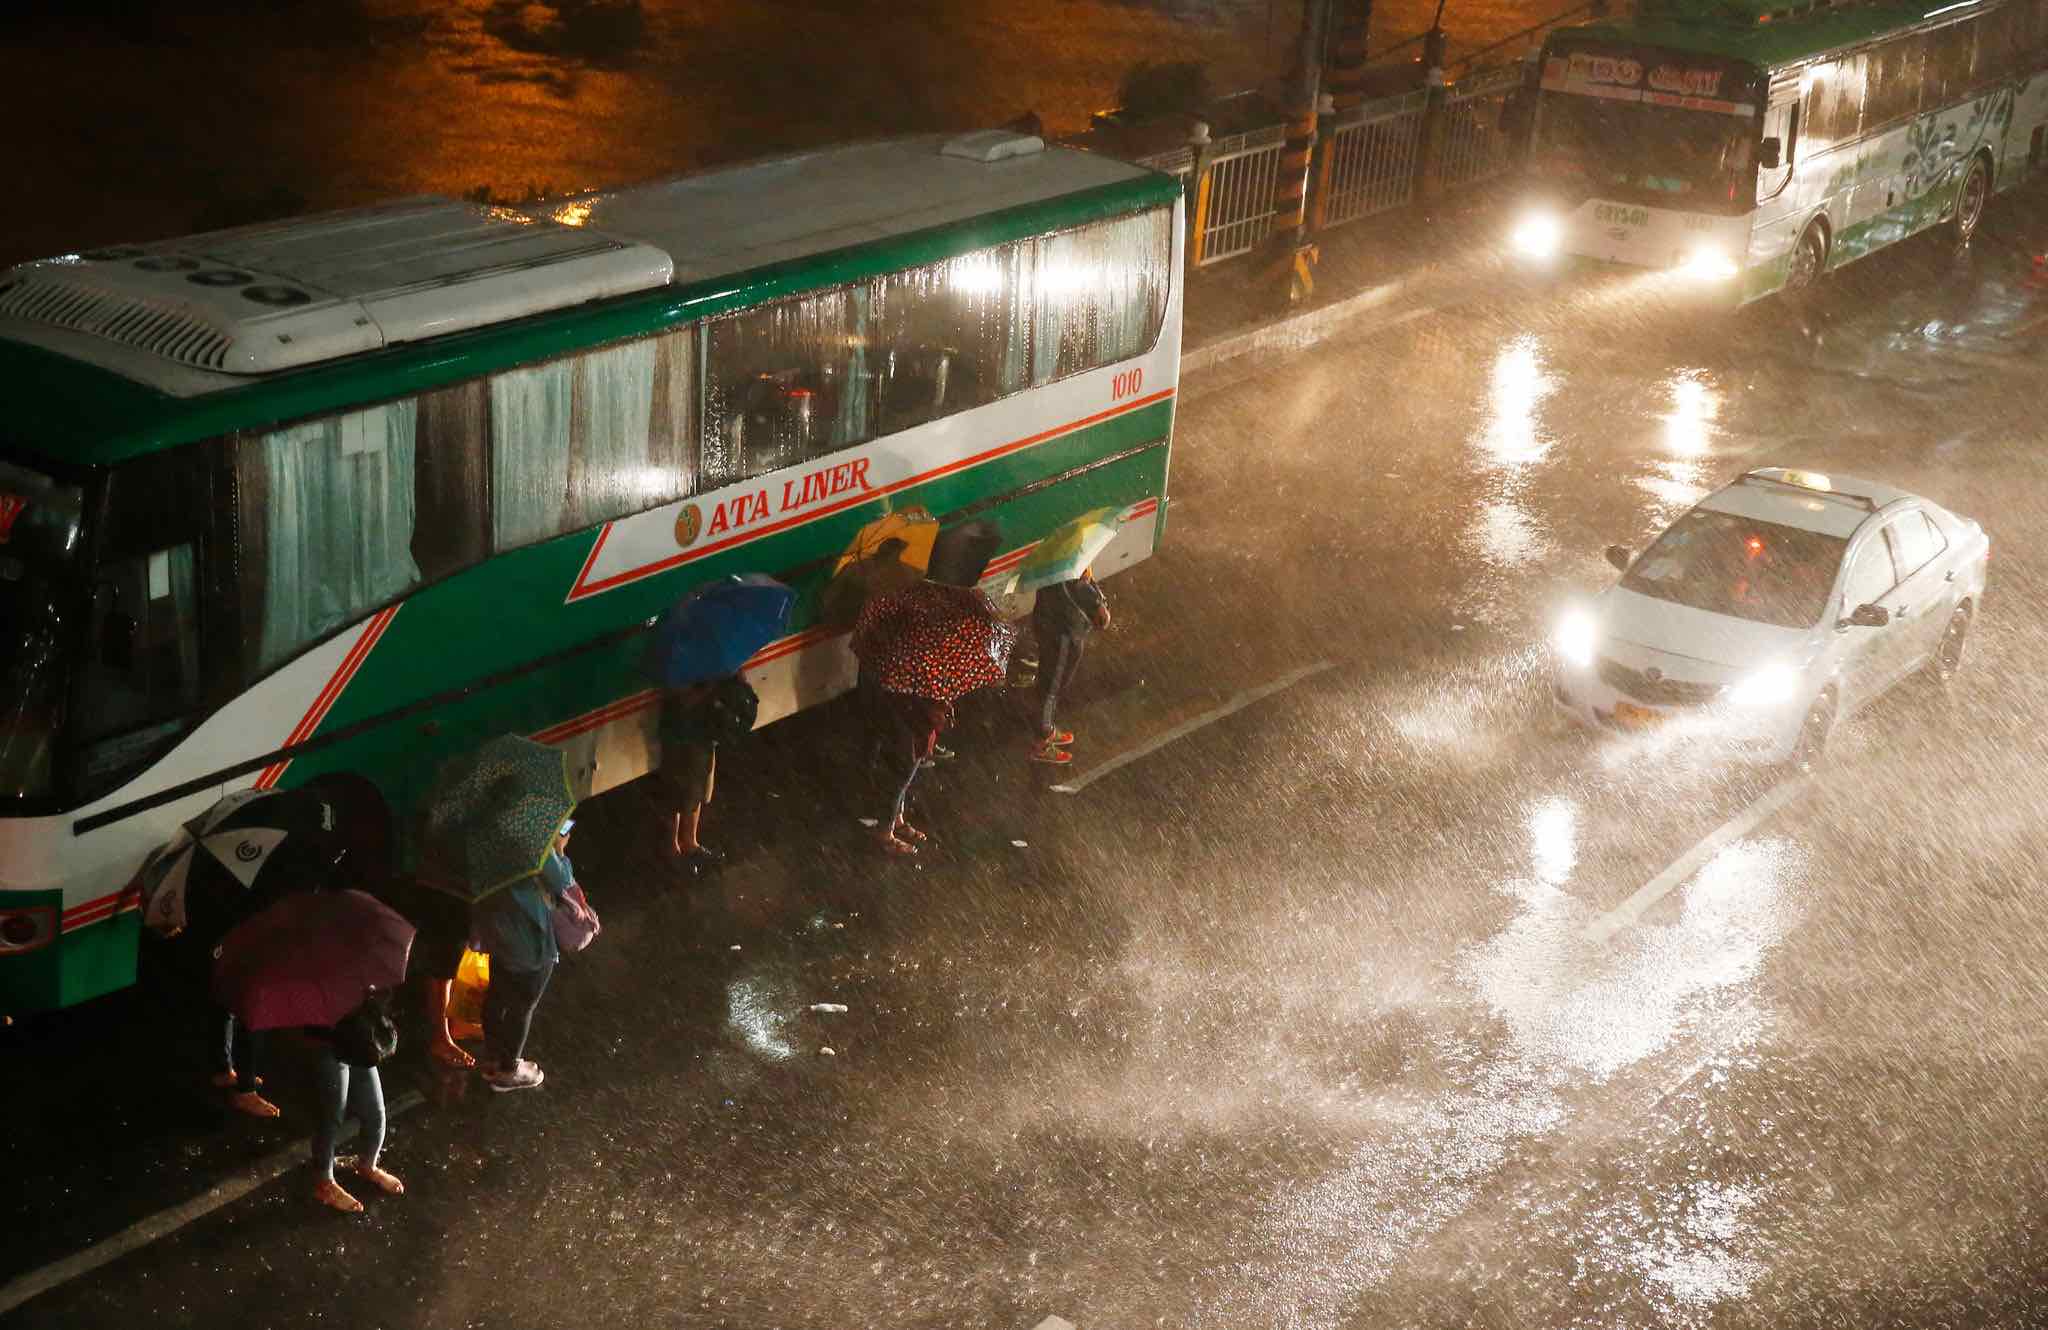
[(612, 407), (589, 439), (1101, 293), (784, 383), (338, 529), (530, 453)]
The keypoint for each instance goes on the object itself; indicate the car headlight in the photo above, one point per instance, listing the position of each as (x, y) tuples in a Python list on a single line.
[(1773, 685), (1538, 236), (1575, 639), (1708, 263)]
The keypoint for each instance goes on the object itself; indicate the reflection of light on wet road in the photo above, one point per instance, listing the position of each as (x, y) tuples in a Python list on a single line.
[(1510, 440), (1689, 424), (1582, 1008), (753, 1014), (1511, 437), (1554, 839)]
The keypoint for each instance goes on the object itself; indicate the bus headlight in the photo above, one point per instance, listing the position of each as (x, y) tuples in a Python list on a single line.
[(1575, 639), (1537, 236), (1708, 263), (1771, 686)]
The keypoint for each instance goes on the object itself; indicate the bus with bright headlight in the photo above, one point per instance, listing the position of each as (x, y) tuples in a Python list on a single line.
[(1750, 146)]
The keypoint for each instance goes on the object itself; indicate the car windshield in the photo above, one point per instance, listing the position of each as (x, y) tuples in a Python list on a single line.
[(39, 543), (1739, 566), (1638, 152)]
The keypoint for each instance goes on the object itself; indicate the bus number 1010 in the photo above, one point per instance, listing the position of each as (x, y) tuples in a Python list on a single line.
[(1126, 384)]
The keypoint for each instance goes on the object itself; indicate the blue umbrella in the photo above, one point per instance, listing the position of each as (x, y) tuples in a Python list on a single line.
[(711, 632)]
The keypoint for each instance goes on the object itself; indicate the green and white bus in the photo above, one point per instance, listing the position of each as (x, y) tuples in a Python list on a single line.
[(1753, 146), (331, 499)]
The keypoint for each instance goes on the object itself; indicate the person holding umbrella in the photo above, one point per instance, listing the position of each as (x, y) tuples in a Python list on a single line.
[(695, 653), (516, 927), (498, 826), (319, 961), (241, 855), (1069, 605), (924, 647)]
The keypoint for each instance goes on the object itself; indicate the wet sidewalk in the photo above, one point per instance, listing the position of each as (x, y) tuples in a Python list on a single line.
[(1372, 272)]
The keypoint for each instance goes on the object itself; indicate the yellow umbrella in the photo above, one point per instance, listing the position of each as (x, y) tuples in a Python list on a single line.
[(915, 527), (1067, 552)]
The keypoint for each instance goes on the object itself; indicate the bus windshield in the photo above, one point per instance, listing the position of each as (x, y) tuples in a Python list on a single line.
[(1638, 152), (39, 543)]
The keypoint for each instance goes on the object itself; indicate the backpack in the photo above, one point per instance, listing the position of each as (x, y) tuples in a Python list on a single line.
[(729, 712), (367, 1036)]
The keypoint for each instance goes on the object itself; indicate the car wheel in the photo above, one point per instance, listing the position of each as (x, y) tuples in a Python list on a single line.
[(1970, 197), (1949, 656), (1810, 748), (1809, 259)]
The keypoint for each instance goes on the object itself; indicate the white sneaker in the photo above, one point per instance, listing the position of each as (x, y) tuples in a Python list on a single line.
[(524, 1076)]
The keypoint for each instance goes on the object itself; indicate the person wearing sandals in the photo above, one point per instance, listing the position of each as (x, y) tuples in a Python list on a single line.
[(349, 1082), (1061, 618), (516, 928), (912, 725), (695, 718)]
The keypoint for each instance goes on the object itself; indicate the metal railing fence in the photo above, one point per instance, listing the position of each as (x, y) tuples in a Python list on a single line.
[(1234, 206), (1373, 152), (1474, 144)]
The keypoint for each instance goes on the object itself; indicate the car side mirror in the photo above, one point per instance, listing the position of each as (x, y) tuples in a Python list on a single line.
[(1618, 556), (1868, 616), (1770, 153)]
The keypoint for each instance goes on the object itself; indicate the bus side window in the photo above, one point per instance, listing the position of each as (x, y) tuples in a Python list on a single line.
[(143, 679), (327, 519), (1951, 57), (952, 335), (451, 530), (1099, 294), (1835, 103), (785, 383), (590, 438)]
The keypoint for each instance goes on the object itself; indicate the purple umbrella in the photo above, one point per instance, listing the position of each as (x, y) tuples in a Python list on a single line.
[(310, 959)]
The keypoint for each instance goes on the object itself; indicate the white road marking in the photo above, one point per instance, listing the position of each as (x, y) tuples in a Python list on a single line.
[(1185, 728), (1681, 870), (166, 1222)]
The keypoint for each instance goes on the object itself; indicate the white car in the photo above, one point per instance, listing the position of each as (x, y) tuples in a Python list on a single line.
[(1775, 607)]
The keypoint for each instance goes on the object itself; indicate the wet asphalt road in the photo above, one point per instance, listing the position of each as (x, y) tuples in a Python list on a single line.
[(1298, 1020)]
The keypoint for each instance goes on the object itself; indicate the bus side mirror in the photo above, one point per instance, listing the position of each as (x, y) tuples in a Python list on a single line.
[(1771, 153)]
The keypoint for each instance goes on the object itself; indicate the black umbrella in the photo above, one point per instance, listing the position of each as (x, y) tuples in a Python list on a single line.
[(961, 553)]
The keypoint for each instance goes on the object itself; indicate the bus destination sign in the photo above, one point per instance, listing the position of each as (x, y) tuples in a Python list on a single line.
[(1646, 77)]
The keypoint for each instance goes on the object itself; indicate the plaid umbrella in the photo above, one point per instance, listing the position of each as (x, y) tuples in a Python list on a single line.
[(934, 641), (231, 856), (493, 815), (311, 959)]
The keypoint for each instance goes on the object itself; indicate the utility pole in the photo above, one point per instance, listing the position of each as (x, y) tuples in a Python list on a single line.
[(1294, 256)]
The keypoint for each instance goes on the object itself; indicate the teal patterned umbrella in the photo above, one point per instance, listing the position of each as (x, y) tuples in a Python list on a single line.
[(493, 815)]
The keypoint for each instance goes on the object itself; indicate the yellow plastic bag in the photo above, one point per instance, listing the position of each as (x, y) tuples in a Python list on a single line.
[(466, 998)]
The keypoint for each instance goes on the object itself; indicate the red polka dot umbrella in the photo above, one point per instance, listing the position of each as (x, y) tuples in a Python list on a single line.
[(934, 641)]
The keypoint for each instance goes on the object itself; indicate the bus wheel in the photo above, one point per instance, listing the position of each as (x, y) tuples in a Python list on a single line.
[(1976, 187), (1809, 259)]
